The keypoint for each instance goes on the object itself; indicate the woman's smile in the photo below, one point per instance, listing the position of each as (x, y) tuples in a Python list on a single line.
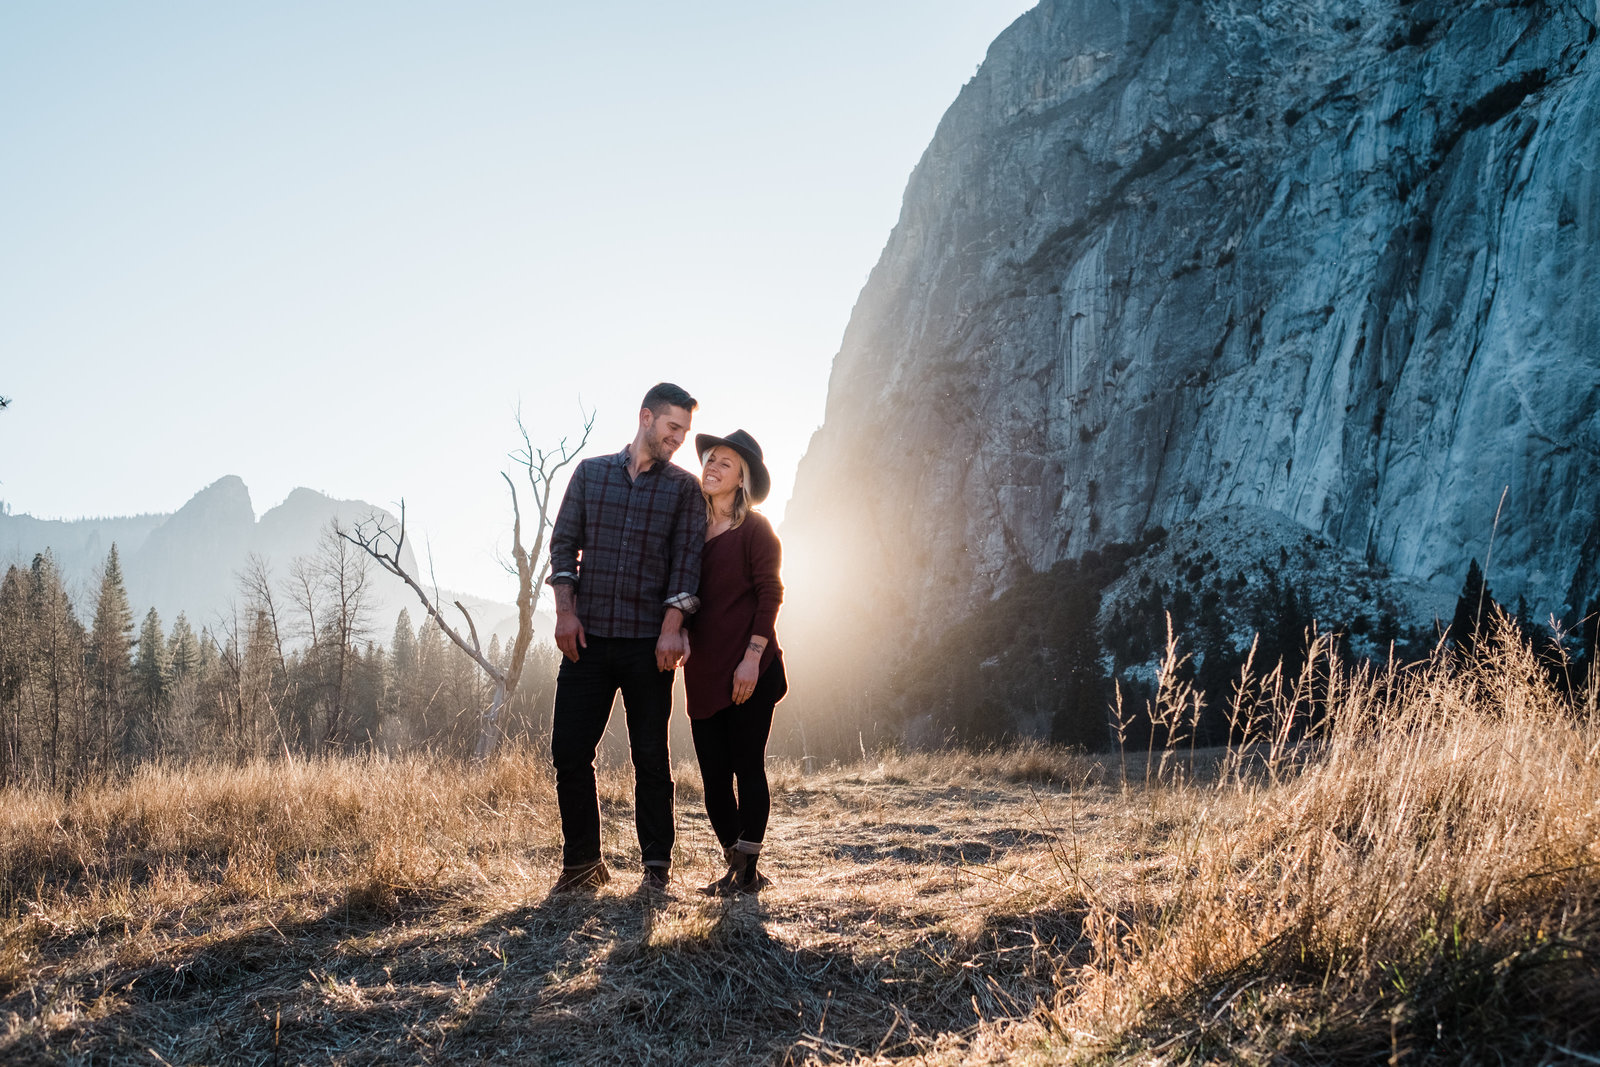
[(722, 471)]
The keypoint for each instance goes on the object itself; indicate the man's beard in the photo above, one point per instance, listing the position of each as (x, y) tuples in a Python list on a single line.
[(657, 447)]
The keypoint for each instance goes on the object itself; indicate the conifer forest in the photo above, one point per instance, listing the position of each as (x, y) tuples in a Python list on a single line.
[(298, 667)]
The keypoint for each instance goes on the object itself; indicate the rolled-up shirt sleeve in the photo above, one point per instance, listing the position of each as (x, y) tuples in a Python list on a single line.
[(566, 536), (688, 542)]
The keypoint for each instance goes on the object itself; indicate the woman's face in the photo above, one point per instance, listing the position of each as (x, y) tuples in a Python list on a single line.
[(723, 471)]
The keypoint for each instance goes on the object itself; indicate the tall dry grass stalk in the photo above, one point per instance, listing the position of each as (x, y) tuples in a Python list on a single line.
[(1401, 862)]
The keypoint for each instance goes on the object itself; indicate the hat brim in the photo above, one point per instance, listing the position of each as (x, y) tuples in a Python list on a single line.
[(760, 477)]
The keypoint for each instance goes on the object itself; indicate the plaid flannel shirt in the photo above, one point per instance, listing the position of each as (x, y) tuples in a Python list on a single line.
[(630, 546)]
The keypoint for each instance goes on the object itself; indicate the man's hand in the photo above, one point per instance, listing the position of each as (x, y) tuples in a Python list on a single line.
[(672, 650), (672, 647), (569, 634)]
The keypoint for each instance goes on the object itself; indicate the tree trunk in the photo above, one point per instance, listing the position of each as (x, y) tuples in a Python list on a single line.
[(489, 736)]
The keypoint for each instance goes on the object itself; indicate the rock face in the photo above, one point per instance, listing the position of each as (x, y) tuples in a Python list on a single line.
[(190, 560), (1337, 261)]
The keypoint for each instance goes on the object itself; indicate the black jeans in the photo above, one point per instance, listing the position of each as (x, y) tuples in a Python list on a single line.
[(585, 689), (733, 744)]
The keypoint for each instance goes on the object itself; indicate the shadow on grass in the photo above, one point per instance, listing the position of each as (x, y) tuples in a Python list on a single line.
[(606, 978), (739, 980)]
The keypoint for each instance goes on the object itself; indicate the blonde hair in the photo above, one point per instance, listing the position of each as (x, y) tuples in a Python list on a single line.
[(741, 495)]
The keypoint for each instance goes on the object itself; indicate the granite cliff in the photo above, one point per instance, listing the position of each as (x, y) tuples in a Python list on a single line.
[(1337, 262)]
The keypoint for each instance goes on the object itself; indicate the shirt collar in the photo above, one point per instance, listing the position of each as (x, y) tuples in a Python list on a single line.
[(622, 459)]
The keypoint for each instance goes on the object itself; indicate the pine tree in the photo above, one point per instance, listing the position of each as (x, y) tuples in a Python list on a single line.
[(424, 703), (403, 649), (1473, 610), (271, 710), (111, 641), (400, 668), (1294, 620), (208, 696), (1080, 714), (150, 689), (206, 658), (181, 723), (14, 642), (1282, 618), (366, 695), (183, 649), (58, 667)]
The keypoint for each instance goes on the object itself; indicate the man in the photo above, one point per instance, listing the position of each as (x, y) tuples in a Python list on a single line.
[(625, 568)]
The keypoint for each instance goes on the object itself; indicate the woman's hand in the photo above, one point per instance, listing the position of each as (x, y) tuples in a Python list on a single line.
[(748, 671), (744, 678)]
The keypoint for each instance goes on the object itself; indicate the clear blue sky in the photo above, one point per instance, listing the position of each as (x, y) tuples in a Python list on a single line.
[(335, 245)]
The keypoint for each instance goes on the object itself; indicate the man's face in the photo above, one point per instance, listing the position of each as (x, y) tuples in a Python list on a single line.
[(665, 433)]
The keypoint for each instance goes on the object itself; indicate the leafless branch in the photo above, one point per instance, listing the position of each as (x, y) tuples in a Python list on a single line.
[(382, 538), (472, 627)]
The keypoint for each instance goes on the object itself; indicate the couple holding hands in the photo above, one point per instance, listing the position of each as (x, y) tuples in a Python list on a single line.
[(647, 562)]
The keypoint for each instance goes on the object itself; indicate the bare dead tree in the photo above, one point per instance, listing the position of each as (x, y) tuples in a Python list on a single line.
[(382, 538), (338, 608), (256, 582)]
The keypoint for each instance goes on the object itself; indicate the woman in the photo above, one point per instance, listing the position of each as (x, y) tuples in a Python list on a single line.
[(735, 675)]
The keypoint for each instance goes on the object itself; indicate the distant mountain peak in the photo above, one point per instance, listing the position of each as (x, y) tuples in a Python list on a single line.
[(229, 483), (227, 495), (300, 496)]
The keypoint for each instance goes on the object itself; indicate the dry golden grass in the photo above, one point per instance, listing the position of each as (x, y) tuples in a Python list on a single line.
[(1417, 881), (1421, 882)]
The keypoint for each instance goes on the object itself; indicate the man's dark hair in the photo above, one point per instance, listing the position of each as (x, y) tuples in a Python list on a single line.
[(665, 395)]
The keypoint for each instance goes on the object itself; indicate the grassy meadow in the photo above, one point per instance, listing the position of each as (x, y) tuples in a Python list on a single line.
[(1413, 877)]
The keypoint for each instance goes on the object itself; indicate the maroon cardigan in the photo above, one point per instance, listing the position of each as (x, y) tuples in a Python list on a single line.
[(739, 596)]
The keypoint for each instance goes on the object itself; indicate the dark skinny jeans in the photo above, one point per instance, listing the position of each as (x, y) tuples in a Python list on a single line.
[(732, 744), (585, 690)]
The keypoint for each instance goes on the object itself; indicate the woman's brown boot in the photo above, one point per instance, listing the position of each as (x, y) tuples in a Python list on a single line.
[(748, 879), (738, 862)]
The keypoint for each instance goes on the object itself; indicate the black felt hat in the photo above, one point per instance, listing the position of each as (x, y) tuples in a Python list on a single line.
[(747, 447)]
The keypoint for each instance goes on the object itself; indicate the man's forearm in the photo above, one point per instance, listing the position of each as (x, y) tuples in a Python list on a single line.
[(569, 635), (672, 621)]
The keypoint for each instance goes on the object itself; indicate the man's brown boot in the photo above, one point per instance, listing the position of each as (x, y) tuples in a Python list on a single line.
[(585, 877)]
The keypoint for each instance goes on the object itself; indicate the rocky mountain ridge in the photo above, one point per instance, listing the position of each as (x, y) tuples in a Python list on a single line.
[(190, 560), (1332, 262)]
